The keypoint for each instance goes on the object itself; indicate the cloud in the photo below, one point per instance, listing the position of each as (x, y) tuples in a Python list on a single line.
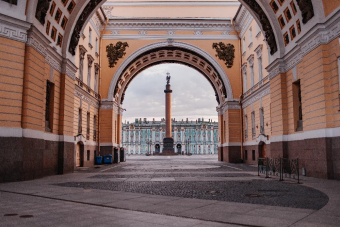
[(192, 95)]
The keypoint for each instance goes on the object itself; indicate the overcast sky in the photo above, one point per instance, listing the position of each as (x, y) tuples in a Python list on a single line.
[(192, 95)]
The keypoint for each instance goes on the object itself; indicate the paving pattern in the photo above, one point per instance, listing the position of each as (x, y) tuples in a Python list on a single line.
[(196, 191), (258, 191)]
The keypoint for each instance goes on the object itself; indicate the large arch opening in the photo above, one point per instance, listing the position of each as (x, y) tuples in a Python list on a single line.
[(194, 117)]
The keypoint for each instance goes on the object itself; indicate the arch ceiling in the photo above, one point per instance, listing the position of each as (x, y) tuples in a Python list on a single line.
[(170, 52)]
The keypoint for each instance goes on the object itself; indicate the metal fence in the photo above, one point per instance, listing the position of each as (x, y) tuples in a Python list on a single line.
[(281, 167)]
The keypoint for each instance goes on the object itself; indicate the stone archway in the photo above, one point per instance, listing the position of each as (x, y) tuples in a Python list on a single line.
[(170, 51)]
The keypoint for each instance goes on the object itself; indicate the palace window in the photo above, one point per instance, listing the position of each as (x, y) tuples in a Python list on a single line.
[(253, 155), (89, 70), (253, 125), (251, 75), (243, 45), (259, 62), (245, 155), (246, 127), (80, 121), (94, 128), (250, 37), (297, 106), (96, 72), (261, 121), (90, 37), (244, 69), (49, 106), (88, 126), (88, 155), (97, 46)]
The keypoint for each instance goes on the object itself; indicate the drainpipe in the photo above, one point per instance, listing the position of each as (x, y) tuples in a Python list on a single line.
[(241, 96), (100, 81)]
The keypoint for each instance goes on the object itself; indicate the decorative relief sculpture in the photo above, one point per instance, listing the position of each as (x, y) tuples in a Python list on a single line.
[(307, 10), (266, 26), (116, 52), (80, 23), (225, 53), (41, 11)]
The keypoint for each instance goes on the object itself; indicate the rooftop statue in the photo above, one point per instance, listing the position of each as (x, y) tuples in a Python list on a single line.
[(168, 78)]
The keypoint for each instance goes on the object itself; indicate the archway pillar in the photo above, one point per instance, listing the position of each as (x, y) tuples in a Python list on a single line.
[(229, 118), (110, 126), (279, 116)]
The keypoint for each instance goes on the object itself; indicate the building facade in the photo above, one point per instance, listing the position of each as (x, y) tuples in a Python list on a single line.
[(195, 137)]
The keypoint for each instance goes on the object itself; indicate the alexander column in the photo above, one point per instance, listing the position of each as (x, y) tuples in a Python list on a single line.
[(168, 141)]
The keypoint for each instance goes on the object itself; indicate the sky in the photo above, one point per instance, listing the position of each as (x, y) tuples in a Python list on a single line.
[(192, 96)]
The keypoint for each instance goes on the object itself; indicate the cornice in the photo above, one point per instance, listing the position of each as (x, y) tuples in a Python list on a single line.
[(69, 69), (171, 3), (167, 36), (260, 93), (83, 95), (321, 34), (14, 29), (203, 24), (228, 105), (110, 105), (250, 59), (258, 50)]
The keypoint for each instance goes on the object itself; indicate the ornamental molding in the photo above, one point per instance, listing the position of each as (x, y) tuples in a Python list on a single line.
[(83, 95), (258, 51), (320, 34), (111, 105), (166, 36), (200, 24), (69, 69), (229, 105), (250, 59), (260, 93), (14, 29), (244, 67), (40, 43), (169, 3)]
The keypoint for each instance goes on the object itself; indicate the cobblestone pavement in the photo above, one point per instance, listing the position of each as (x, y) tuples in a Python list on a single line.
[(169, 191)]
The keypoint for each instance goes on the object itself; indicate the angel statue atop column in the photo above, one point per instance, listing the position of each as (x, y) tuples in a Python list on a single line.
[(168, 78)]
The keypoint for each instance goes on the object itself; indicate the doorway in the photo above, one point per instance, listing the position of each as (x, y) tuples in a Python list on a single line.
[(79, 155), (157, 149), (179, 148), (262, 150)]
